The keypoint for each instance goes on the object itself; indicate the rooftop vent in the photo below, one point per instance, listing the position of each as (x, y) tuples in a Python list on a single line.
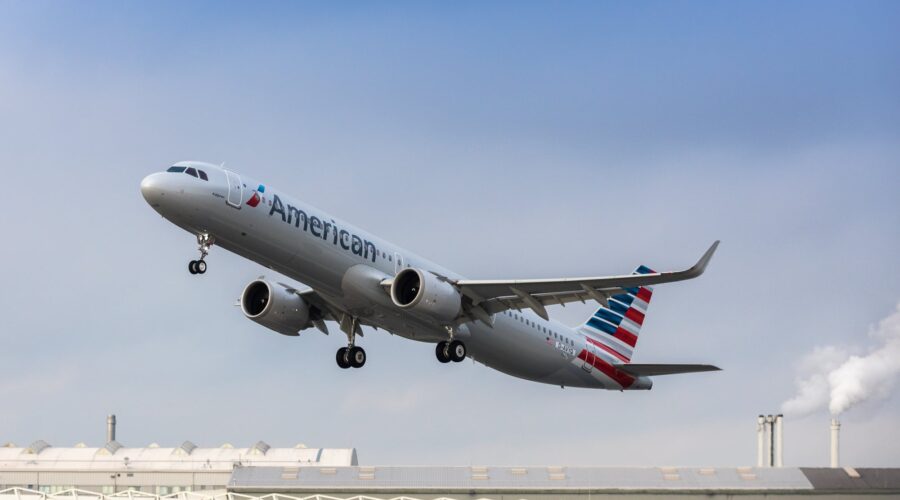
[(260, 448), (80, 445), (153, 445), (112, 447), (37, 447), (226, 446), (185, 449)]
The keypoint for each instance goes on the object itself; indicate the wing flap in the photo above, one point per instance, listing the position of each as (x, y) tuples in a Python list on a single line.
[(650, 370)]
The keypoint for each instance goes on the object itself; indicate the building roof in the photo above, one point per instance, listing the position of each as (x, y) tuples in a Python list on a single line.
[(188, 456)]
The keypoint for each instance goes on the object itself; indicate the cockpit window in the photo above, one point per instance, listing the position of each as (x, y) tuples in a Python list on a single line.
[(191, 171), (203, 175), (175, 169)]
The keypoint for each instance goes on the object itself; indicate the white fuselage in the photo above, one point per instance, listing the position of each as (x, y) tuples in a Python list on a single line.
[(328, 254)]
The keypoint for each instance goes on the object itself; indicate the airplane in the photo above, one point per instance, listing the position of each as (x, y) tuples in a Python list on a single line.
[(356, 279)]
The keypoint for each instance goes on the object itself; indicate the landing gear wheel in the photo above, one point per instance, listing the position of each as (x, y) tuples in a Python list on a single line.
[(204, 242), (441, 352), (357, 357), (457, 351), (342, 357)]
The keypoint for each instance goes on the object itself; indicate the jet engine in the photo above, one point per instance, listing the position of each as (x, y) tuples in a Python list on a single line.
[(275, 307), (422, 292)]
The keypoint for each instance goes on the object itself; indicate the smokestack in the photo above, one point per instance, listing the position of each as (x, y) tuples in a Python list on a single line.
[(760, 441), (779, 441), (110, 428), (770, 428), (835, 442)]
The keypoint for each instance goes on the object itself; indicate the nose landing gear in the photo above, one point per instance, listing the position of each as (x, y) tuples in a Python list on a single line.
[(204, 242), (197, 266)]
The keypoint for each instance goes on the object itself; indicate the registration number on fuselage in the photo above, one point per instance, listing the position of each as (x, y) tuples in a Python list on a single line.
[(565, 348)]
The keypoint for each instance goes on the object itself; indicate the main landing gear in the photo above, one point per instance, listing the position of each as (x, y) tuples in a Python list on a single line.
[(453, 350), (351, 356), (204, 241)]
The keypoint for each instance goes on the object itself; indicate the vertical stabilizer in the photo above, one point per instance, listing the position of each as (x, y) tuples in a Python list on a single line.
[(614, 328)]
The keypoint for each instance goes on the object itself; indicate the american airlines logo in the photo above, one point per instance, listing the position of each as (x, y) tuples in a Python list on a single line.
[(328, 231)]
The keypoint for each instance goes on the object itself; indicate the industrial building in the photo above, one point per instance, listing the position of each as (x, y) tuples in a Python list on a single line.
[(260, 472)]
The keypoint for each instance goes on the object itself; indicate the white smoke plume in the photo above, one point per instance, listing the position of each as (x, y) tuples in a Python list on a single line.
[(831, 377)]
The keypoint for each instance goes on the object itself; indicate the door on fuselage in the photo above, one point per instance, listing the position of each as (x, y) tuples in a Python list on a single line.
[(589, 354), (235, 191)]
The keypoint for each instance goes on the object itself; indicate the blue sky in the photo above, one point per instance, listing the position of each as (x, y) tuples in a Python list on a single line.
[(501, 140)]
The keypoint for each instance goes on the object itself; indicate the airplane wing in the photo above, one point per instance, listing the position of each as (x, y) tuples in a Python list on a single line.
[(639, 370), (323, 310), (493, 296)]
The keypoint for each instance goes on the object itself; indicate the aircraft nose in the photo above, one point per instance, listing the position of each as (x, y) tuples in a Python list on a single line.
[(152, 188)]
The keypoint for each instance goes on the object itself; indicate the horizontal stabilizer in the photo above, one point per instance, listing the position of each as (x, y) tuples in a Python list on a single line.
[(650, 370)]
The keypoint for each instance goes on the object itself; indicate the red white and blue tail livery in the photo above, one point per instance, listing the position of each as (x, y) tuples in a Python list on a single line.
[(615, 328)]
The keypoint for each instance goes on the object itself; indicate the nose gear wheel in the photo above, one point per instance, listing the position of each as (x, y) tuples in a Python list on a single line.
[(204, 242)]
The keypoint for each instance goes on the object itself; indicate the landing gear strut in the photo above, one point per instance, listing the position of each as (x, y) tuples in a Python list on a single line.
[(204, 241)]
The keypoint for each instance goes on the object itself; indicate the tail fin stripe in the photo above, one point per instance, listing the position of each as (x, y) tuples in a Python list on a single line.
[(635, 315), (610, 316), (608, 349), (617, 306), (617, 332), (609, 341), (640, 305), (624, 298), (644, 294), (630, 326), (626, 336), (603, 326)]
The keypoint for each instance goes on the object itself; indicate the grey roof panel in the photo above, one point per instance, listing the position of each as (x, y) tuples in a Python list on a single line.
[(841, 480), (274, 479)]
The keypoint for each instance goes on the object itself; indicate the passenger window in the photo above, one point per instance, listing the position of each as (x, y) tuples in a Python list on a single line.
[(203, 175), (175, 169), (191, 171)]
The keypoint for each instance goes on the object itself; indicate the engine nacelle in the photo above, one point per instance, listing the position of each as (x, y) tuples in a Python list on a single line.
[(275, 307), (423, 292)]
